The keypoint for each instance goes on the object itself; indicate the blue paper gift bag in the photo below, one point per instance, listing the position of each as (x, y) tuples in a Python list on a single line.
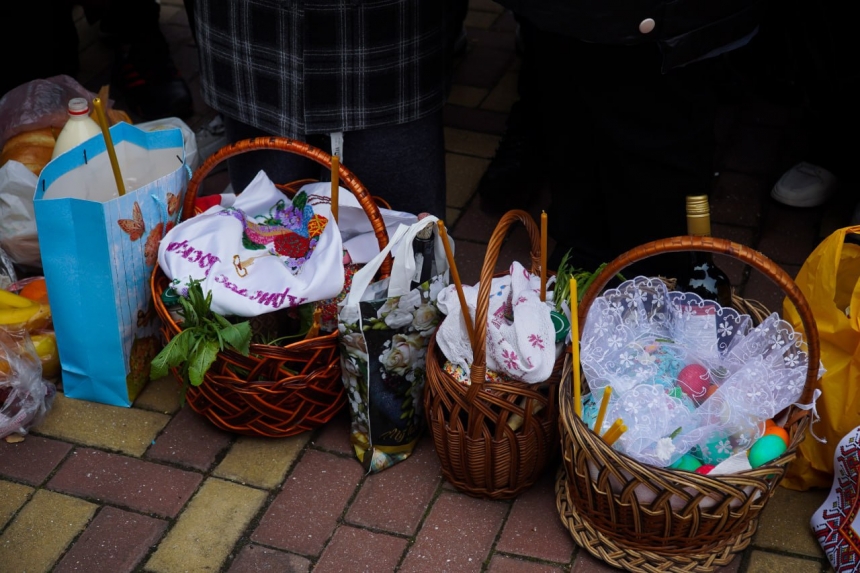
[(98, 253)]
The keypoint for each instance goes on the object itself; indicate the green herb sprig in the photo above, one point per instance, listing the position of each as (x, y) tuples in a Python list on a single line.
[(204, 333), (584, 278)]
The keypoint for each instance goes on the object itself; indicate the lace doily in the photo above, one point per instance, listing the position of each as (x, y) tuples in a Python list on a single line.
[(641, 338)]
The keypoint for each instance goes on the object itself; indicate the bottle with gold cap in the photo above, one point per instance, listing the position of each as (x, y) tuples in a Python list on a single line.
[(702, 276)]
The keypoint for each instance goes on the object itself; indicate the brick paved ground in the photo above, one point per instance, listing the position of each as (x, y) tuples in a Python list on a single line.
[(157, 488)]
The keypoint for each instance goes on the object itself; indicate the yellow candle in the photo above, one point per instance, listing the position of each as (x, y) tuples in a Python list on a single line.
[(335, 186), (574, 349), (612, 435), (543, 242), (598, 424)]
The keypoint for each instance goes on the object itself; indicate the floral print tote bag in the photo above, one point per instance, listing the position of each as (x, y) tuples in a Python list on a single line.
[(384, 329)]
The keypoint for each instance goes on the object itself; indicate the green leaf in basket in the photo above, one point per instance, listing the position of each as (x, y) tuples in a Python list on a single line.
[(200, 361), (204, 334)]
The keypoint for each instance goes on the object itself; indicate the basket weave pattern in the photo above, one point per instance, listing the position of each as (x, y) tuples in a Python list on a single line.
[(643, 518), (275, 391), (480, 454)]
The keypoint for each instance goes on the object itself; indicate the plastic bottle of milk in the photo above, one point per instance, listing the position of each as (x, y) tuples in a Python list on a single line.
[(79, 128)]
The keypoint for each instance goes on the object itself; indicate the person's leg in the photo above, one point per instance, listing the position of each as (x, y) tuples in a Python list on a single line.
[(403, 164)]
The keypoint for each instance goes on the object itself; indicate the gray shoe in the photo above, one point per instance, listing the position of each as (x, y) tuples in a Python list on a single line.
[(804, 185)]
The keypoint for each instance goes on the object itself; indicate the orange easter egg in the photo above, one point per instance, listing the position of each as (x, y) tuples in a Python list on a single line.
[(777, 431)]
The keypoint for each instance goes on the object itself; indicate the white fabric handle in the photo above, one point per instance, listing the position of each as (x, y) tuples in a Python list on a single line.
[(404, 259), (363, 277)]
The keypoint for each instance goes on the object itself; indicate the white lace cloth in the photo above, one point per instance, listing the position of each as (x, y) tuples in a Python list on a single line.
[(520, 334), (638, 337)]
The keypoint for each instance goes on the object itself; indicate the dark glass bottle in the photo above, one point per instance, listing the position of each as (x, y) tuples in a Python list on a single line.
[(425, 256), (703, 277)]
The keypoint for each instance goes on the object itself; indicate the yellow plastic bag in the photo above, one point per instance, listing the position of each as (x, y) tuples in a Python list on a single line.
[(830, 281)]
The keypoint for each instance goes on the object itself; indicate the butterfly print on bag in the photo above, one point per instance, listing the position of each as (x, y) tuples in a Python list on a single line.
[(135, 227)]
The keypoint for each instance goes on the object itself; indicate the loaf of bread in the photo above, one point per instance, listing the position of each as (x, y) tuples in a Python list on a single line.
[(32, 148)]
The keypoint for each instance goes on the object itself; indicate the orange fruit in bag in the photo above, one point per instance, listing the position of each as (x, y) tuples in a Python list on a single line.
[(35, 290)]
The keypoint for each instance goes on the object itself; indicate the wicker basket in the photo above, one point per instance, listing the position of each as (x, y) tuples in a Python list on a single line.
[(480, 454), (275, 391), (716, 516)]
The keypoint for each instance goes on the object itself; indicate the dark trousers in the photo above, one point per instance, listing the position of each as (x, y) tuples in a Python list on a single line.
[(626, 143), (402, 164)]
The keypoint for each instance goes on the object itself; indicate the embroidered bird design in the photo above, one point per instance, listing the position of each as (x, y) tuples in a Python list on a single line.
[(291, 230)]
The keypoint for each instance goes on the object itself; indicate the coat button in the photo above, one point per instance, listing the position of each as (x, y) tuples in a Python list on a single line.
[(646, 25)]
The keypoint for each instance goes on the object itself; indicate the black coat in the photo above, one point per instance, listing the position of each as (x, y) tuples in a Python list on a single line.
[(685, 30)]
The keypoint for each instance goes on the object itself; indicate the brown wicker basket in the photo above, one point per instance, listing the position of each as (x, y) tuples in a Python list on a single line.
[(716, 516), (275, 391), (480, 454)]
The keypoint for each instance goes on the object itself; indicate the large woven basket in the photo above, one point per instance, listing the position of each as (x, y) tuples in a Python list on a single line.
[(480, 454), (692, 523), (275, 391)]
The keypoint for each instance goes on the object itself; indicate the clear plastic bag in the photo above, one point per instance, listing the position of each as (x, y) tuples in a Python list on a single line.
[(25, 397)]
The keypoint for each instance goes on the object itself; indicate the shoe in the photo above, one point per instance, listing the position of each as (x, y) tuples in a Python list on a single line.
[(804, 185), (210, 138), (515, 176), (150, 83)]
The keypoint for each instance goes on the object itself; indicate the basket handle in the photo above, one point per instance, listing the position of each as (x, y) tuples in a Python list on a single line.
[(723, 247), (479, 351), (345, 177)]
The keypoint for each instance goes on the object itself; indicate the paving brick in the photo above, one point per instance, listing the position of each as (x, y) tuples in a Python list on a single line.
[(762, 289), (32, 460), (503, 96), (114, 542), (463, 173), (764, 562), (204, 535), (470, 248), (13, 496), (334, 436), (470, 143), (260, 462), (534, 528), (259, 559), (190, 440), (352, 549), (39, 534), (160, 395), (587, 563), (505, 564), (788, 234), (467, 96), (477, 120), (738, 199), (120, 480), (306, 512), (126, 430), (784, 523), (755, 150), (411, 482), (457, 535)]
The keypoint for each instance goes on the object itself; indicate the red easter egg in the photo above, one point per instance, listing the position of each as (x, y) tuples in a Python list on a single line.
[(705, 469), (694, 380)]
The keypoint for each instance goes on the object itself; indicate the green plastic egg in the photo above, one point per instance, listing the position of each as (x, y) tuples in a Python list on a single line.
[(765, 449), (686, 463)]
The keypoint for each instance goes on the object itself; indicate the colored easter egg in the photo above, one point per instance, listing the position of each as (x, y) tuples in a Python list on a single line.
[(694, 381), (777, 431), (710, 391), (766, 449), (716, 450), (687, 463), (705, 469)]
